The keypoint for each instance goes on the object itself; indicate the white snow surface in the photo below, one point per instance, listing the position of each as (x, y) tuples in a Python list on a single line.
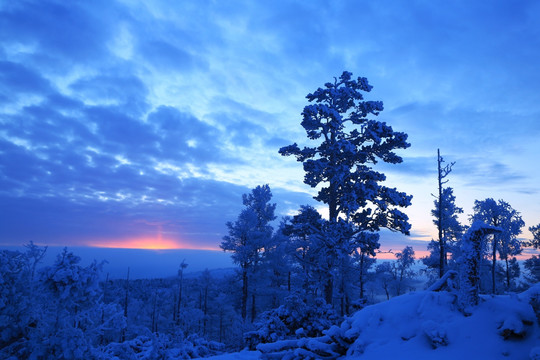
[(406, 327), (242, 355), (429, 325)]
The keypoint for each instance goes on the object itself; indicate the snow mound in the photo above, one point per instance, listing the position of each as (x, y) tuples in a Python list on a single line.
[(427, 325)]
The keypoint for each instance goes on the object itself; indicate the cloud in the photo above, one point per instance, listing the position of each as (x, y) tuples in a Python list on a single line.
[(126, 92), (17, 80), (165, 56), (482, 172), (138, 107)]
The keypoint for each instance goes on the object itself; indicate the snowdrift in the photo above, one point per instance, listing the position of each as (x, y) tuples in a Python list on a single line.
[(427, 325)]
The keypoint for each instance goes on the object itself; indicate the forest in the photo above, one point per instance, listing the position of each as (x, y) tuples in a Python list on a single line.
[(304, 285)]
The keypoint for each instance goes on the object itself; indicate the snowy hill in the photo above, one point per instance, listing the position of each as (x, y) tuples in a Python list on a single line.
[(424, 325)]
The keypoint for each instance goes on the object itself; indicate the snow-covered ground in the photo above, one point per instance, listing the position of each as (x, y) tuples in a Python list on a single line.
[(428, 325), (242, 355)]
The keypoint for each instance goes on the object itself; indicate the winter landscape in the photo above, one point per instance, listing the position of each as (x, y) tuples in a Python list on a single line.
[(243, 180)]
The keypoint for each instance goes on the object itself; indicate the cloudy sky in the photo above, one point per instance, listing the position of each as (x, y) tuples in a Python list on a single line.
[(141, 124)]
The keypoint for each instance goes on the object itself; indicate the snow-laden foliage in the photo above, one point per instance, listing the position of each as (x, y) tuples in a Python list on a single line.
[(159, 346), (445, 216), (349, 143), (294, 319), (64, 316), (506, 243), (535, 230), (394, 277), (249, 235), (471, 246), (17, 309), (532, 265)]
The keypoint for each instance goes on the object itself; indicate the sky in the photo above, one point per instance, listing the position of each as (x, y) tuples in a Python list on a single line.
[(140, 124)]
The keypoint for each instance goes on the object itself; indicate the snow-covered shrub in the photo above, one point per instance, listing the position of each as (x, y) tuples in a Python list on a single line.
[(15, 306), (293, 319), (160, 346), (514, 326), (532, 296)]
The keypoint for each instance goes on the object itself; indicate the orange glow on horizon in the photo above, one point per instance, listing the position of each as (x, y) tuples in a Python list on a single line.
[(148, 244), (418, 254)]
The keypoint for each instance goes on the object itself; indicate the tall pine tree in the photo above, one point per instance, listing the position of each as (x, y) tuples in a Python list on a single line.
[(347, 144)]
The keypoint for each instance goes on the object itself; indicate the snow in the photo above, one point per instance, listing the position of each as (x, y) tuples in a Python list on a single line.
[(242, 355), (427, 325)]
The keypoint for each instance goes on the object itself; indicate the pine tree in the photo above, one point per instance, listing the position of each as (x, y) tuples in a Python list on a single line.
[(535, 242), (305, 247), (249, 235), (348, 144), (532, 265), (448, 226), (445, 214), (501, 215)]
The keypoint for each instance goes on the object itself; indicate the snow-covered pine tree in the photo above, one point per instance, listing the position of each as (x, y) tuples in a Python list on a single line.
[(535, 242), (500, 214), (301, 230), (532, 265), (448, 226), (249, 235), (347, 145), (279, 262)]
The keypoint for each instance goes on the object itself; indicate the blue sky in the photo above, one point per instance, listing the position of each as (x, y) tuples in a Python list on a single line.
[(144, 122)]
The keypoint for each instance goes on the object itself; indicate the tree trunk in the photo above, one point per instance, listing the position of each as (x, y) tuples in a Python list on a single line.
[(329, 290), (179, 296), (123, 337), (507, 274), (442, 250), (205, 310), (154, 320), (289, 282), (244, 292), (361, 275), (494, 264), (221, 325), (253, 308)]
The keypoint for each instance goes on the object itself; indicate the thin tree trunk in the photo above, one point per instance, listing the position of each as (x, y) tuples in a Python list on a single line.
[(289, 282), (221, 325), (154, 320), (253, 309), (494, 264), (244, 292), (205, 309), (361, 275), (442, 250), (507, 274), (329, 290), (126, 306), (179, 296), (102, 337)]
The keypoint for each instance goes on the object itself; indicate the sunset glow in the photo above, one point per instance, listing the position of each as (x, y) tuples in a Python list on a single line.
[(148, 244)]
